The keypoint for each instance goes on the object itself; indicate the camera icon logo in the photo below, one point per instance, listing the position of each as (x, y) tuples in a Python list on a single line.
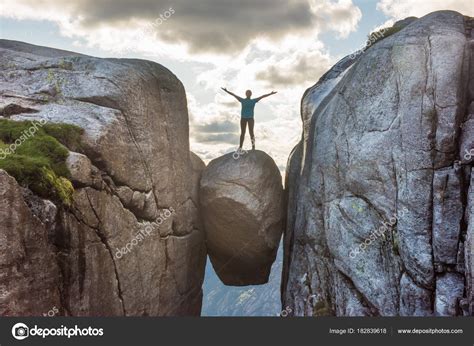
[(238, 153), (20, 331)]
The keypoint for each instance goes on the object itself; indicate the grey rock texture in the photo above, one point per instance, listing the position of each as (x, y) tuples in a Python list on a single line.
[(449, 291), (242, 209), (377, 188), (131, 244), (447, 215), (468, 301), (414, 300), (29, 275), (83, 173), (198, 167)]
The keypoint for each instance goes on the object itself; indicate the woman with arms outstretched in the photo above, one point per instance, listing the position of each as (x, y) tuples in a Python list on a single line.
[(248, 106)]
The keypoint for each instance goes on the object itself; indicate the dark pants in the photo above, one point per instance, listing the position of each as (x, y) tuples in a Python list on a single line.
[(243, 127)]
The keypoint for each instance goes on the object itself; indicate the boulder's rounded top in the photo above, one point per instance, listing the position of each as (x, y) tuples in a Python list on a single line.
[(252, 165)]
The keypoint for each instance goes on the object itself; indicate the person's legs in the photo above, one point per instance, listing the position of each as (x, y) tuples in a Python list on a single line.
[(252, 137), (243, 127)]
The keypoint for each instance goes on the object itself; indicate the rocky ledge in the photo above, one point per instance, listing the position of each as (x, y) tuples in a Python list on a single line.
[(130, 243)]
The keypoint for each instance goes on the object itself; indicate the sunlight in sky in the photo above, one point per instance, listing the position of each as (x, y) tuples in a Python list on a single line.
[(260, 46)]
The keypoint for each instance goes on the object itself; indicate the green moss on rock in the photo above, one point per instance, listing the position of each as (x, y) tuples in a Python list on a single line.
[(379, 35), (35, 155), (68, 135), (322, 308)]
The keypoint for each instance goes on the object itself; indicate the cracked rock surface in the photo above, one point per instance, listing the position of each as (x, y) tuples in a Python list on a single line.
[(29, 272), (379, 188), (136, 184)]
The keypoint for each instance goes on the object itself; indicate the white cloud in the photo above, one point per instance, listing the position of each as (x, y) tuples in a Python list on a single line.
[(341, 16), (298, 68), (399, 9), (207, 26), (265, 44)]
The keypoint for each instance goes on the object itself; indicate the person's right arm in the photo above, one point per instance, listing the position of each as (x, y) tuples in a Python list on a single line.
[(231, 93)]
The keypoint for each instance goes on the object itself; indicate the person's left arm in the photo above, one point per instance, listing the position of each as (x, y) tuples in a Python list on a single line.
[(266, 95)]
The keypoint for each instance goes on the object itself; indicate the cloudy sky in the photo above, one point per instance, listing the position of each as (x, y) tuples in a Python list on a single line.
[(262, 45)]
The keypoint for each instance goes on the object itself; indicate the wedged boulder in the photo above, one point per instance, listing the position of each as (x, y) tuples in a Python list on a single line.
[(377, 186), (131, 244), (241, 200)]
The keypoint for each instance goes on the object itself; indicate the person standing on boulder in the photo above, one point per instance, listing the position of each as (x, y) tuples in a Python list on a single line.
[(248, 106)]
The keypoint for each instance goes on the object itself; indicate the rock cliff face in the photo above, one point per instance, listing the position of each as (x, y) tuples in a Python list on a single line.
[(242, 209), (379, 189), (131, 243), (30, 274)]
